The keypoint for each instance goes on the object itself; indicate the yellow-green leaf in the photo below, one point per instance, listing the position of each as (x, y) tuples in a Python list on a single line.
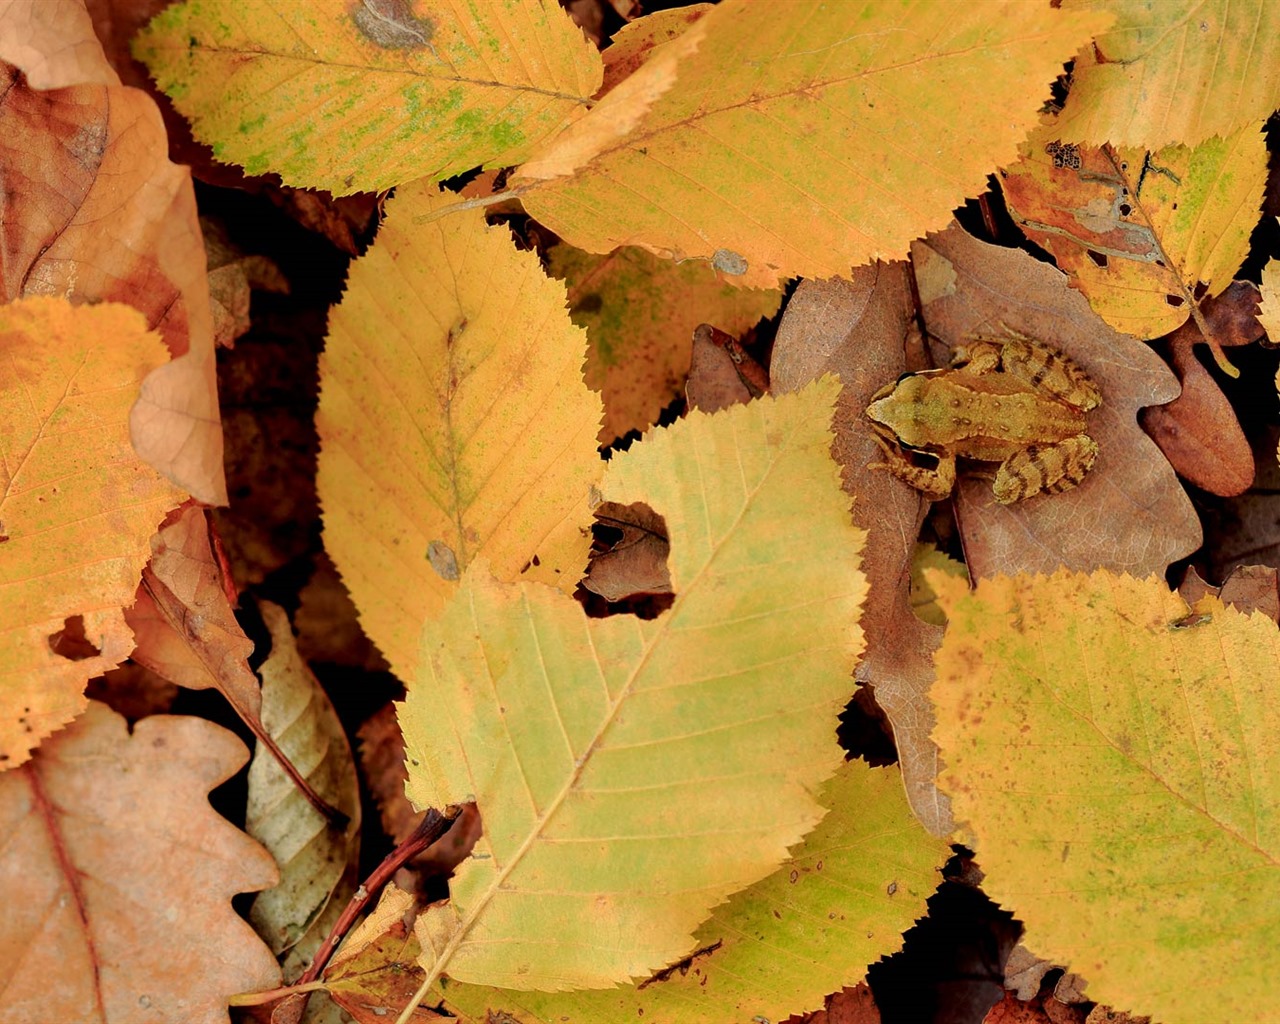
[(856, 883), (828, 143), (1137, 232), (926, 558), (312, 856), (360, 97), (640, 312), (1174, 71), (1117, 763), (77, 505), (631, 774), (453, 420)]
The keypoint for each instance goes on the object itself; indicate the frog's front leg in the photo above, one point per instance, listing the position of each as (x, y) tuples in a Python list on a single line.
[(1044, 468), (935, 483)]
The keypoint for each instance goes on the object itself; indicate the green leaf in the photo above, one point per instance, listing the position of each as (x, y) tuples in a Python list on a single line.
[(360, 97), (632, 774), (1116, 760), (858, 881)]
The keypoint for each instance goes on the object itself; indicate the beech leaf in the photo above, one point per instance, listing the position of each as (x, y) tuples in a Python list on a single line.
[(851, 102), (362, 97), (1117, 767), (117, 877), (468, 420), (77, 505), (631, 774)]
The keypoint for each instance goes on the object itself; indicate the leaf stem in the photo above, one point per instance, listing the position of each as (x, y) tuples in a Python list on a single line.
[(474, 204), (272, 994)]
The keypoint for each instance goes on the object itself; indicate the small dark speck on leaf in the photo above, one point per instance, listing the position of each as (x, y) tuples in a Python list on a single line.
[(391, 24), (443, 560), (893, 887)]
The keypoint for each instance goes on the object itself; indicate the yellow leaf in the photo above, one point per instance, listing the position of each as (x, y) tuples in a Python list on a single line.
[(117, 876), (1139, 232), (856, 883), (831, 143), (1269, 307), (924, 601), (640, 312), (77, 505), (360, 97), (1116, 761), (631, 774), (1174, 71), (453, 420)]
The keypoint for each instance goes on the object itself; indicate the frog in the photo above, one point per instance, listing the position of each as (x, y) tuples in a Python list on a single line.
[(1004, 398)]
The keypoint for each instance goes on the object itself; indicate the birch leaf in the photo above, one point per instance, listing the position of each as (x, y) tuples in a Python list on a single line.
[(631, 774), (1138, 232), (453, 421), (1119, 772), (1174, 71), (855, 104), (361, 97), (77, 505)]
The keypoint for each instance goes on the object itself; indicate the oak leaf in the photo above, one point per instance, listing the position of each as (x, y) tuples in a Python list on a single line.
[(117, 877), (849, 104), (463, 431), (77, 506), (363, 97), (640, 313), (1118, 771), (54, 44), (631, 774), (1178, 71), (1145, 235)]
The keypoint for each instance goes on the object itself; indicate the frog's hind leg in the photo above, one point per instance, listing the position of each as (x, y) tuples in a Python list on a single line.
[(1044, 468), (1049, 371), (935, 483)]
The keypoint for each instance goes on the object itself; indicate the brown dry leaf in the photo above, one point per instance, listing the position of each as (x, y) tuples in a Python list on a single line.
[(858, 329), (1249, 588), (854, 1005), (232, 276), (328, 629), (53, 41), (1269, 304), (635, 564), (1129, 514), (117, 877), (721, 372), (640, 313), (76, 504), (381, 754), (103, 215), (1198, 431)]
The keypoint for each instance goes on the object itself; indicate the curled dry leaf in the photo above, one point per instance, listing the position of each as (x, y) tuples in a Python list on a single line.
[(721, 372), (76, 504), (117, 877), (636, 563), (858, 329), (1129, 514), (103, 215)]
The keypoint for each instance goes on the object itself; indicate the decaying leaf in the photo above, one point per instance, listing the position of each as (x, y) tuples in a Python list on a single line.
[(1145, 235), (77, 506), (117, 877), (631, 774), (312, 855), (103, 214), (1117, 769), (351, 97), (463, 430), (721, 372), (855, 884), (1129, 513), (849, 103), (637, 561), (859, 329), (640, 313), (1178, 71)]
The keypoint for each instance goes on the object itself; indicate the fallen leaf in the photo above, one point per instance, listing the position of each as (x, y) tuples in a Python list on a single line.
[(1129, 514), (382, 757), (232, 276), (1269, 306), (1249, 588), (363, 99), (76, 505), (327, 625), (118, 877), (1088, 753), (858, 329), (721, 372), (1145, 235), (924, 602), (313, 857), (1176, 71), (637, 562), (54, 44), (846, 78), (848, 1006), (104, 216), (470, 423), (609, 720), (640, 313)]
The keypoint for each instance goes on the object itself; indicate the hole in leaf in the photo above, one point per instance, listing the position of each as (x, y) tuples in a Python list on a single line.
[(70, 641), (1174, 300), (1098, 258), (1125, 209)]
